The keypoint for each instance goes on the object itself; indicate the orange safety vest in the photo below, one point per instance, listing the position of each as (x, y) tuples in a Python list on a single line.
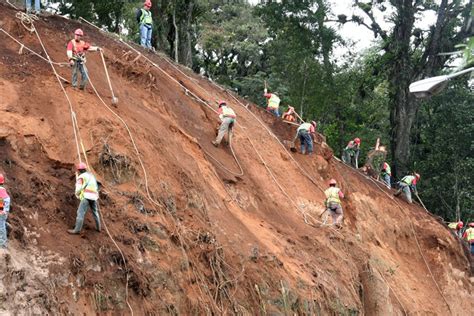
[(78, 48)]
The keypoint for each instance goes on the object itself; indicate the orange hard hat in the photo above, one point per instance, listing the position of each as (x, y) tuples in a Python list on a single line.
[(79, 32), (2, 179), (357, 140), (332, 182), (81, 166)]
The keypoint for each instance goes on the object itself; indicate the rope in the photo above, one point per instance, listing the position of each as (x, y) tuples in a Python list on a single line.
[(11, 4), (27, 20)]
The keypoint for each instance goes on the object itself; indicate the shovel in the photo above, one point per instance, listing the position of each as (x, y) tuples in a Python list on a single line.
[(114, 98)]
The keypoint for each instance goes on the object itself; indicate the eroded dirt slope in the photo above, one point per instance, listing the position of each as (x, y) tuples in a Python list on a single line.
[(204, 241)]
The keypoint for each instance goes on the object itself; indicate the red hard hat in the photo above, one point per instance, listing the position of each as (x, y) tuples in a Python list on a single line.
[(460, 224), (221, 103), (81, 166), (313, 123), (79, 32), (148, 3), (357, 140), (2, 179), (417, 175), (332, 181)]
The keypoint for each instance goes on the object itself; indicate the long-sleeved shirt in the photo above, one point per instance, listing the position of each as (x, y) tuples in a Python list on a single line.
[(5, 200)]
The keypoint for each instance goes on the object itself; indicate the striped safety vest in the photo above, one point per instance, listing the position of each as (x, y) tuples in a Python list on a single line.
[(89, 188)]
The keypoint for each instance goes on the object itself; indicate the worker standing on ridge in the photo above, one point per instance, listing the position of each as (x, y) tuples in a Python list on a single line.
[(456, 228), (304, 133), (386, 174), (87, 191), (351, 153), (273, 102), (145, 22), (469, 236), (37, 9), (289, 115), (407, 185), (227, 117), (333, 203), (4, 211), (76, 53)]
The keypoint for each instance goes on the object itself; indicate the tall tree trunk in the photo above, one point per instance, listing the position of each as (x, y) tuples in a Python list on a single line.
[(176, 35), (186, 34)]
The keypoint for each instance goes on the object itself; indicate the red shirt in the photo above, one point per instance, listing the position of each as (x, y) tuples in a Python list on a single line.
[(77, 47)]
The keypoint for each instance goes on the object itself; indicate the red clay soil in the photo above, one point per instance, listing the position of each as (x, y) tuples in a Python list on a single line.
[(211, 242)]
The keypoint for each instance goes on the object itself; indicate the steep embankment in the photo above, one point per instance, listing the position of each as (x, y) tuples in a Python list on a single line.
[(203, 240)]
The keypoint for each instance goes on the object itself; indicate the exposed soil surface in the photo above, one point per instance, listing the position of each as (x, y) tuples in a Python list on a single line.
[(203, 241)]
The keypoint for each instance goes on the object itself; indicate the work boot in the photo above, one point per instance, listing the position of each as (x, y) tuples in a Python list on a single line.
[(72, 232), (82, 88), (215, 143)]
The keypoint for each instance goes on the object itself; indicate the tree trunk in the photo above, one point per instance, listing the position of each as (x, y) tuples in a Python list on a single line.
[(185, 48), (176, 35)]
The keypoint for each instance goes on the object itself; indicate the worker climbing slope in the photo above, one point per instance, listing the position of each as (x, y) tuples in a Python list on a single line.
[(289, 115), (469, 236), (87, 191), (408, 185), (76, 53), (227, 120), (305, 132), (333, 203), (351, 153), (4, 211), (145, 22), (273, 102), (385, 174)]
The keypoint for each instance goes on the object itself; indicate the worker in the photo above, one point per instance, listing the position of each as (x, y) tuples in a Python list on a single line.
[(407, 185), (76, 54), (469, 236), (305, 132), (4, 211), (333, 203), (273, 102), (227, 120), (456, 228), (386, 174), (289, 115), (145, 22), (37, 6), (87, 191), (351, 153)]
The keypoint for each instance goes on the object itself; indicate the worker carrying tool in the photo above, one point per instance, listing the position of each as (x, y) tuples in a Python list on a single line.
[(351, 153), (87, 191), (407, 185), (227, 118), (273, 102), (333, 203), (305, 132), (289, 115), (456, 228), (76, 54), (145, 22), (4, 211), (469, 236), (385, 174)]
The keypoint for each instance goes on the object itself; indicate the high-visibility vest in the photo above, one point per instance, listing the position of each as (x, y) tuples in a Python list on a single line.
[(146, 18), (387, 168), (78, 47), (332, 195), (453, 225), (228, 112), (470, 235), (408, 179), (89, 189), (274, 101), (3, 195), (304, 127)]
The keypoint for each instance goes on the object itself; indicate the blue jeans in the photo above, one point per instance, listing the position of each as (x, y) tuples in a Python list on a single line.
[(472, 248), (3, 230), (81, 67), (275, 112), (386, 179), (145, 35), (406, 189), (81, 213), (306, 142), (37, 5)]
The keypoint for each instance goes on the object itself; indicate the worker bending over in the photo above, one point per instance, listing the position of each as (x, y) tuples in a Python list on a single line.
[(304, 133), (351, 153), (4, 211), (456, 228), (273, 102), (87, 191), (289, 115), (333, 203), (407, 185), (76, 54), (227, 117)]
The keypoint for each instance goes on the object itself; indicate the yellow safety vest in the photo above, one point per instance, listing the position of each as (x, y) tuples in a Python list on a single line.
[(228, 112), (470, 235), (274, 101), (453, 225), (332, 195), (89, 188), (146, 18), (408, 179)]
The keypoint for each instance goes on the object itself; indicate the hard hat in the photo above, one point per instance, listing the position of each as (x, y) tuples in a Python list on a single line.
[(332, 181), (148, 3), (79, 32), (81, 166), (221, 103), (471, 224), (460, 224), (2, 179), (417, 175), (313, 123), (357, 140)]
